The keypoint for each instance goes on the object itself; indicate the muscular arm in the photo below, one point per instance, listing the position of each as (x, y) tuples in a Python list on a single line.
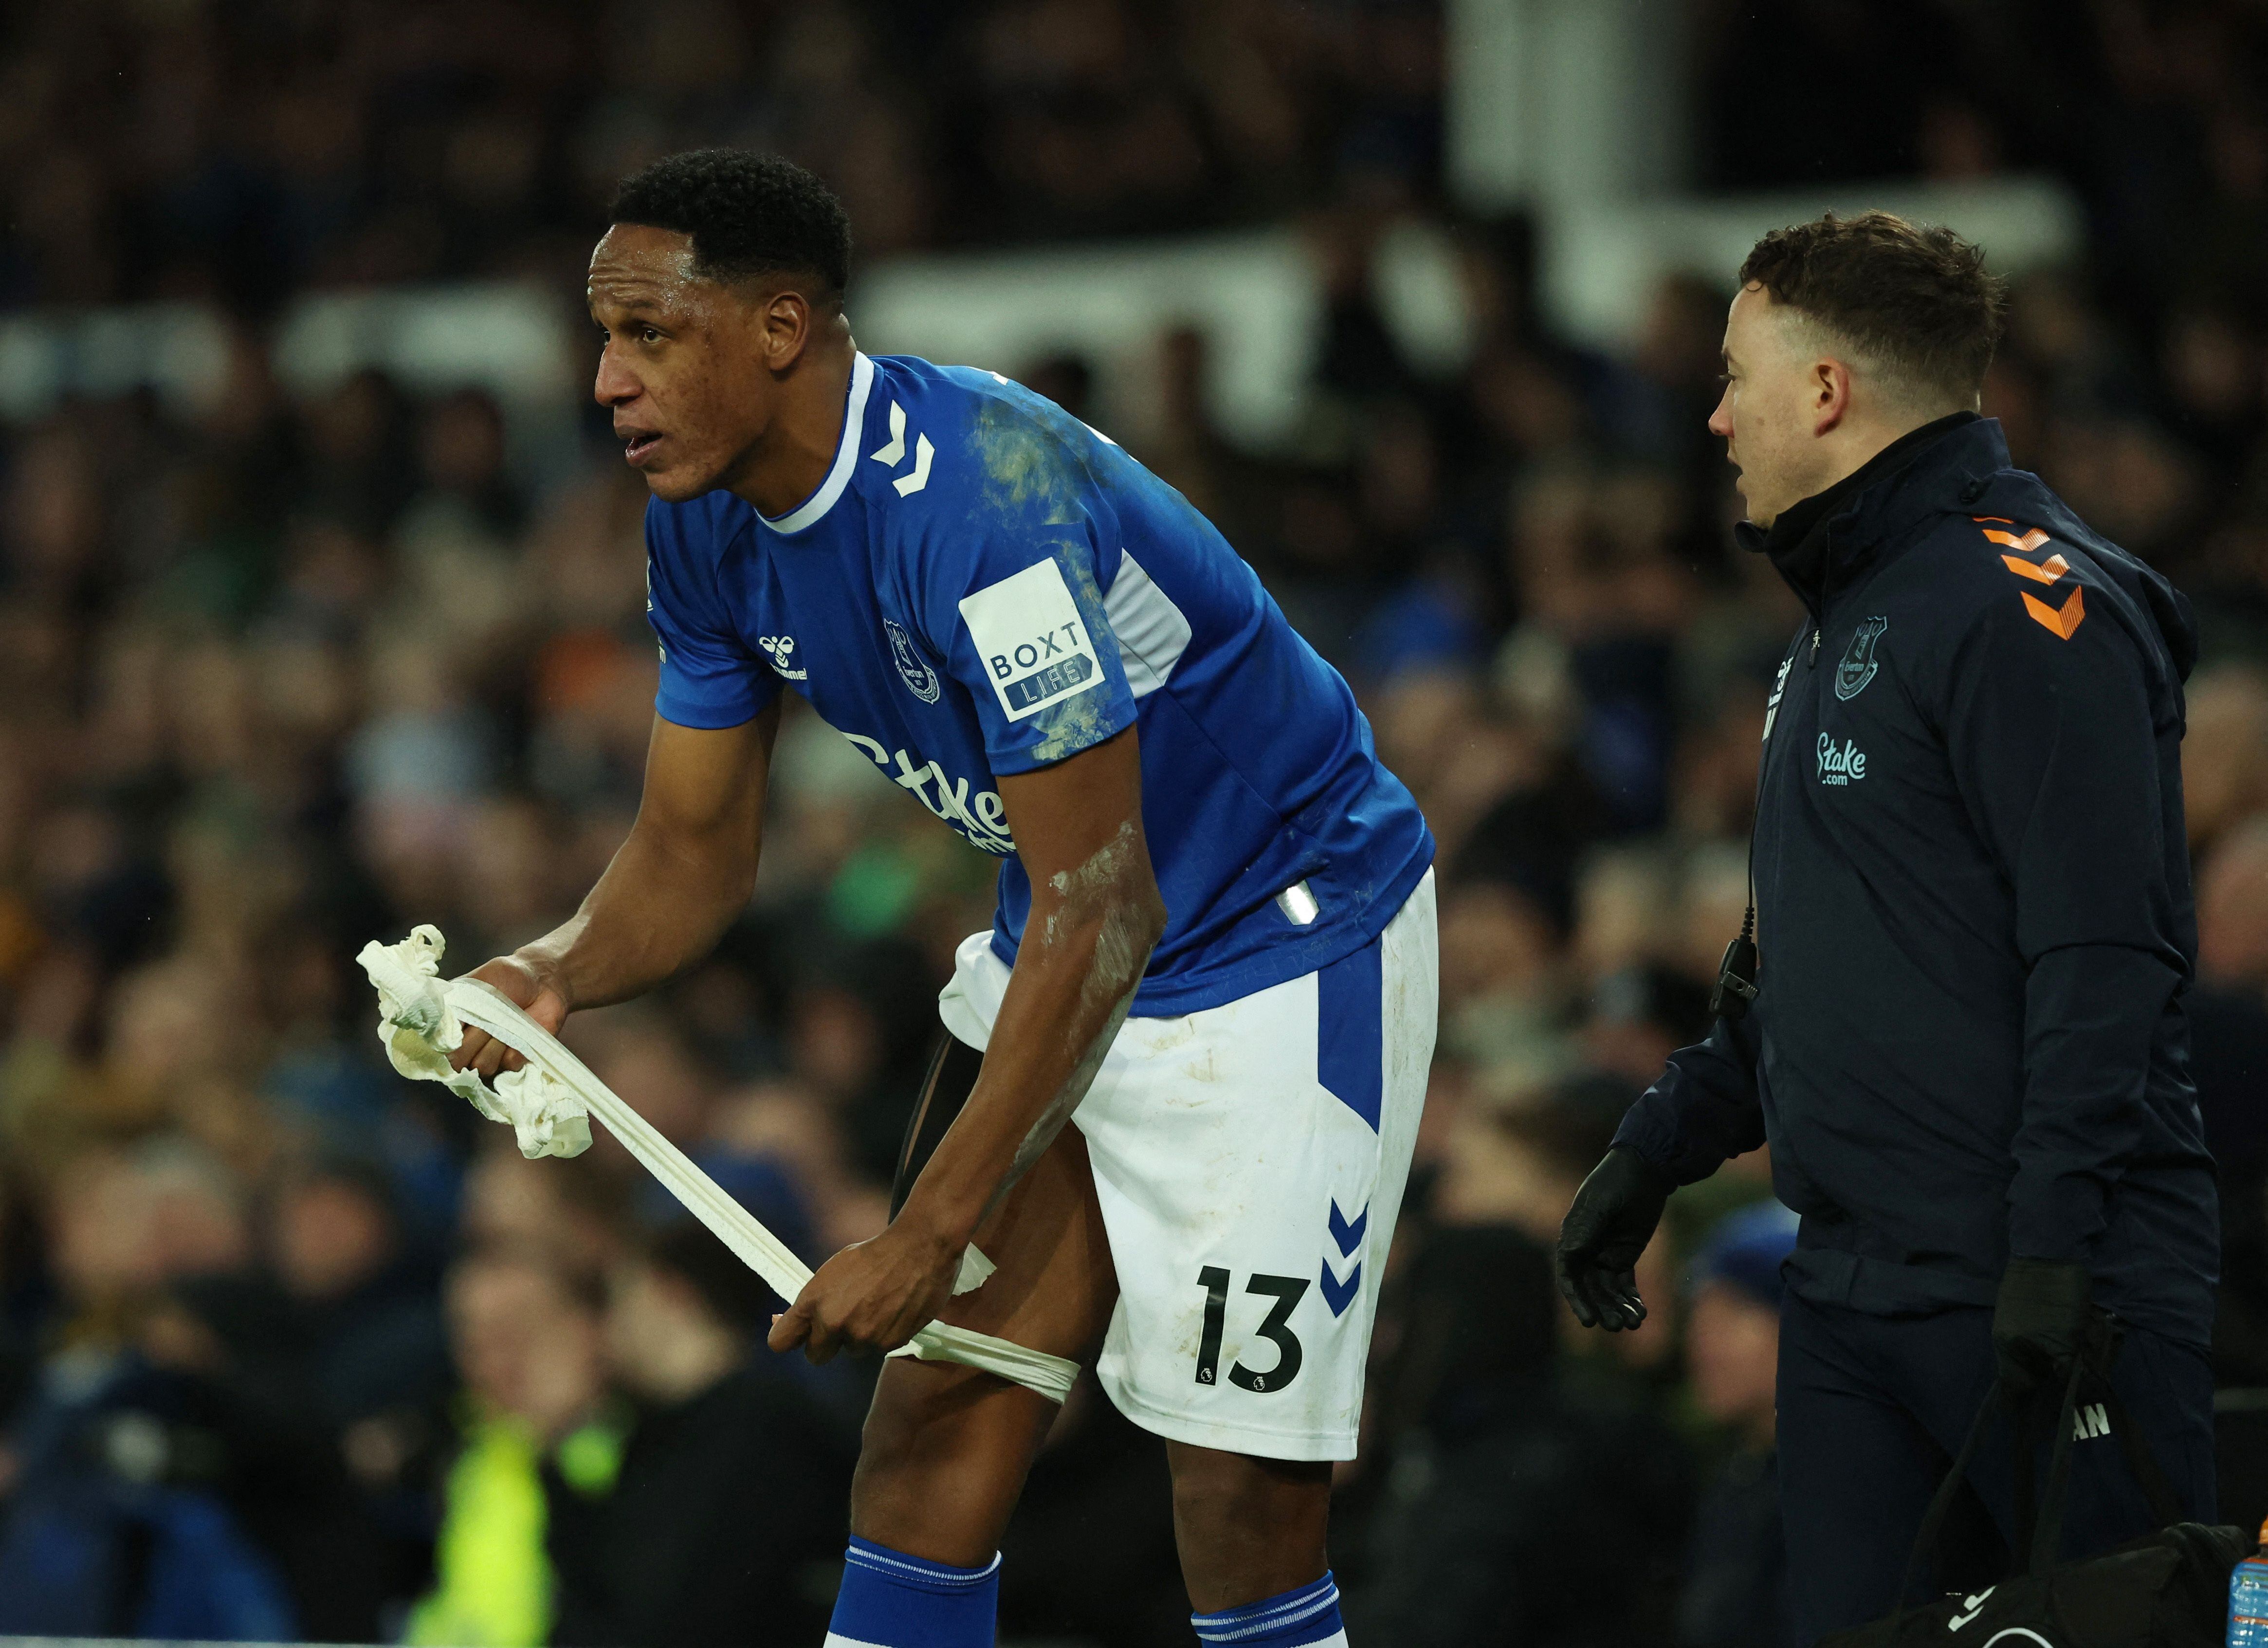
[(1095, 916), (673, 886)]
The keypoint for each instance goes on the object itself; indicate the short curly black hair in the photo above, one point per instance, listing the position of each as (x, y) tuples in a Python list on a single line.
[(1914, 298), (750, 215)]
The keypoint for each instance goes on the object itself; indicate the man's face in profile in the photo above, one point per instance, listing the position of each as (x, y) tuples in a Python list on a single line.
[(1766, 411), (680, 370)]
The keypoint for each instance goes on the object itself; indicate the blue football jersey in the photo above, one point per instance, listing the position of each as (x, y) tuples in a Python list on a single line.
[(985, 585)]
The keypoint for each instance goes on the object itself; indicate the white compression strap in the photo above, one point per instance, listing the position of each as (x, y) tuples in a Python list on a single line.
[(425, 1019)]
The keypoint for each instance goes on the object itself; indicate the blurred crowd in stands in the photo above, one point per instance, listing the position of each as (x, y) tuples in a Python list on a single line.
[(172, 148), (290, 1347)]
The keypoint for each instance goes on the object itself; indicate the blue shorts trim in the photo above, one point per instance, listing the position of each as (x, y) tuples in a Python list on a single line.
[(1350, 1038)]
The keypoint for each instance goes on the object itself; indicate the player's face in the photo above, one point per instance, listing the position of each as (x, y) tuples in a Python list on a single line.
[(1766, 413), (683, 368)]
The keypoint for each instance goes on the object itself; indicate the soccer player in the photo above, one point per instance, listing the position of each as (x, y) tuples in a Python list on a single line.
[(1214, 949)]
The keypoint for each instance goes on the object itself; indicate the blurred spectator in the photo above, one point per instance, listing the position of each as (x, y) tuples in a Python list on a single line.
[(2225, 755), (2233, 908), (321, 1382), (719, 1518), (527, 1338), (570, 1214), (117, 1519), (1736, 1591)]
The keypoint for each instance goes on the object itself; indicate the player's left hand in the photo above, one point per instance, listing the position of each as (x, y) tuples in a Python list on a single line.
[(872, 1296)]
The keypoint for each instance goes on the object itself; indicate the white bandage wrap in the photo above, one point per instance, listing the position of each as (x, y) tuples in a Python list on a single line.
[(975, 1270), (422, 1020), (421, 1028)]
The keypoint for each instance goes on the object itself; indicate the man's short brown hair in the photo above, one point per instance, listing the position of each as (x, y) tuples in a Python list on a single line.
[(1913, 301)]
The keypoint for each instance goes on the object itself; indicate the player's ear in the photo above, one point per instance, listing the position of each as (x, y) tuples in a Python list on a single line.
[(787, 328)]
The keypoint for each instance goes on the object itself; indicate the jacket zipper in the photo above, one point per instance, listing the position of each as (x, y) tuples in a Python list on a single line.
[(1764, 760), (1826, 578)]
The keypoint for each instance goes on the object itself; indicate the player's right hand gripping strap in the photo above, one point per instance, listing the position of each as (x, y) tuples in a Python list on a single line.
[(422, 1020)]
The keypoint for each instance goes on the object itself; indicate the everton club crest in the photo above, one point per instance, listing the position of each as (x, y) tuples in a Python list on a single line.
[(1857, 665), (920, 678)]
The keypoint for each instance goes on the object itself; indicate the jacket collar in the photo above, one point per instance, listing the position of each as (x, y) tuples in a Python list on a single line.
[(1816, 543)]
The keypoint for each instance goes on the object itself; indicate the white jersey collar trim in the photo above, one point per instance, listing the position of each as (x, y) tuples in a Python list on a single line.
[(846, 454)]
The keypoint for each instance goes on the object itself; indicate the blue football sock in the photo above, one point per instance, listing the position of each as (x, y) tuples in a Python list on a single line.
[(1309, 1615), (889, 1599)]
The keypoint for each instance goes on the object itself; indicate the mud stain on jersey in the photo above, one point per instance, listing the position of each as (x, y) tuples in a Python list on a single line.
[(1082, 720), (1028, 465), (1072, 725), (1161, 1035)]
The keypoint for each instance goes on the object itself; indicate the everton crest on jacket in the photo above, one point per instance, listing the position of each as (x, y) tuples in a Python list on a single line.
[(1974, 913)]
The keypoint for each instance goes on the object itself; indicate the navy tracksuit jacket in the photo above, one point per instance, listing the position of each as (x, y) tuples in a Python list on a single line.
[(1974, 921), (1973, 910)]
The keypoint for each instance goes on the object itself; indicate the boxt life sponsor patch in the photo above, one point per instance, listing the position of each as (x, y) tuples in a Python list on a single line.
[(1033, 639)]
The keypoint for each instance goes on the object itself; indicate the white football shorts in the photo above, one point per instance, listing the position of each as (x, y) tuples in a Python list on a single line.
[(1250, 1160)]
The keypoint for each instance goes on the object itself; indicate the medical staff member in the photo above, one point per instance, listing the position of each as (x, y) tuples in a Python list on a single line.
[(1959, 1025)]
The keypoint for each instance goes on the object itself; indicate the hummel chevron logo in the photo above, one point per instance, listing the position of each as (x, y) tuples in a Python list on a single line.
[(907, 485), (2047, 572), (2062, 621), (2029, 543), (895, 449), (1348, 1236), (893, 452)]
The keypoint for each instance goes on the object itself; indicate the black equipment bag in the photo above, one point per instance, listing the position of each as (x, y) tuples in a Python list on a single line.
[(2166, 1590)]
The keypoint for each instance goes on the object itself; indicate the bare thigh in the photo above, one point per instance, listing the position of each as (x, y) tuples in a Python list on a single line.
[(946, 1447)]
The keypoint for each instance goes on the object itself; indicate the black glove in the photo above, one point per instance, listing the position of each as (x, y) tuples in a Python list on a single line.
[(1605, 1231), (2045, 1320)]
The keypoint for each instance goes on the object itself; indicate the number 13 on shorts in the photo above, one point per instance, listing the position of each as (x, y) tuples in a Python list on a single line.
[(1286, 1293)]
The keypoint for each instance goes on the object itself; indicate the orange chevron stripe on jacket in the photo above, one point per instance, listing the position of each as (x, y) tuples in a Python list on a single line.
[(2047, 572), (2028, 543), (2072, 613), (2062, 620)]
